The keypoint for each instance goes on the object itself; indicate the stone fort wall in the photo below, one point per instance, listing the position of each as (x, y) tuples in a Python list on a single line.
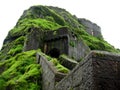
[(98, 71)]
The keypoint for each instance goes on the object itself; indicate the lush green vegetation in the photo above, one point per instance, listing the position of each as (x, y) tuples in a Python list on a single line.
[(24, 25), (59, 67), (43, 12), (75, 26), (10, 49), (21, 72), (95, 43), (51, 18)]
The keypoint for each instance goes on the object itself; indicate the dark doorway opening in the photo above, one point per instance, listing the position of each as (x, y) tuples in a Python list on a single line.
[(54, 53)]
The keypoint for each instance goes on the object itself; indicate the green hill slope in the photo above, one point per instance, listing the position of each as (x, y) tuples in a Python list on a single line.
[(18, 69)]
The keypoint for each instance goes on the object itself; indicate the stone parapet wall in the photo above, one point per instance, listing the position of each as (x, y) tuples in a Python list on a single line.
[(49, 73), (106, 67), (98, 71), (80, 77)]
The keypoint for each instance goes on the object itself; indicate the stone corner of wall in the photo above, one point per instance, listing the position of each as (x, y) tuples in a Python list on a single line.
[(103, 54)]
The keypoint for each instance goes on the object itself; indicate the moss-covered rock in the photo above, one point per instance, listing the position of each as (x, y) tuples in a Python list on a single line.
[(18, 70)]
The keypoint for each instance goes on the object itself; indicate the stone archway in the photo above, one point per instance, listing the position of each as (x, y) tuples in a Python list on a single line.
[(54, 53)]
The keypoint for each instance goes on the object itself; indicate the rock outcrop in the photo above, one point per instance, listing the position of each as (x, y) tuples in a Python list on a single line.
[(65, 60), (91, 28)]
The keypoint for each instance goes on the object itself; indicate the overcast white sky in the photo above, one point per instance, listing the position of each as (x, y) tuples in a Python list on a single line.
[(105, 13)]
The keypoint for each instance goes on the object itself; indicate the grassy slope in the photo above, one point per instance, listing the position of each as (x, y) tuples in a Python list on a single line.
[(18, 69), (20, 72)]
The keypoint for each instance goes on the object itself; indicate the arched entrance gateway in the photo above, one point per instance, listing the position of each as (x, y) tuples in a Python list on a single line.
[(54, 53)]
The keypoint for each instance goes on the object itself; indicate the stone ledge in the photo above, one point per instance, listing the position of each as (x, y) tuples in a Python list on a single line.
[(67, 62), (105, 55)]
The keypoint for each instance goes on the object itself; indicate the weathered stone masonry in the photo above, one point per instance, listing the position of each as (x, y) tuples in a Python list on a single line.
[(98, 71), (61, 41), (50, 75)]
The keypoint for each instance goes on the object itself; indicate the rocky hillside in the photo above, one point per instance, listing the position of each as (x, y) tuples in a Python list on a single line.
[(18, 68)]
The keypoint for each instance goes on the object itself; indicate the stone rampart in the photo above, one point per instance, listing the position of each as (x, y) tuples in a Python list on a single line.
[(98, 71), (49, 73)]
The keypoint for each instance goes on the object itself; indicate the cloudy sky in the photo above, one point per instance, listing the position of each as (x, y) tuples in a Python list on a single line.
[(105, 13)]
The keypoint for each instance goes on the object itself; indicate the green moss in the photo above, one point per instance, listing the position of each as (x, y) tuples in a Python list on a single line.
[(10, 49), (40, 11), (21, 71), (70, 20), (50, 18), (15, 50), (2, 83), (60, 68), (24, 25), (55, 33), (72, 43), (98, 44), (56, 63)]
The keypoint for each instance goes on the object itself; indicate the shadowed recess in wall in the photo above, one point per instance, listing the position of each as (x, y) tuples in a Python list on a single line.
[(54, 53)]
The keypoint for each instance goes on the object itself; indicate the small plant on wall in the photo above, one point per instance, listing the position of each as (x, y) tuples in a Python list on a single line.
[(72, 43)]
